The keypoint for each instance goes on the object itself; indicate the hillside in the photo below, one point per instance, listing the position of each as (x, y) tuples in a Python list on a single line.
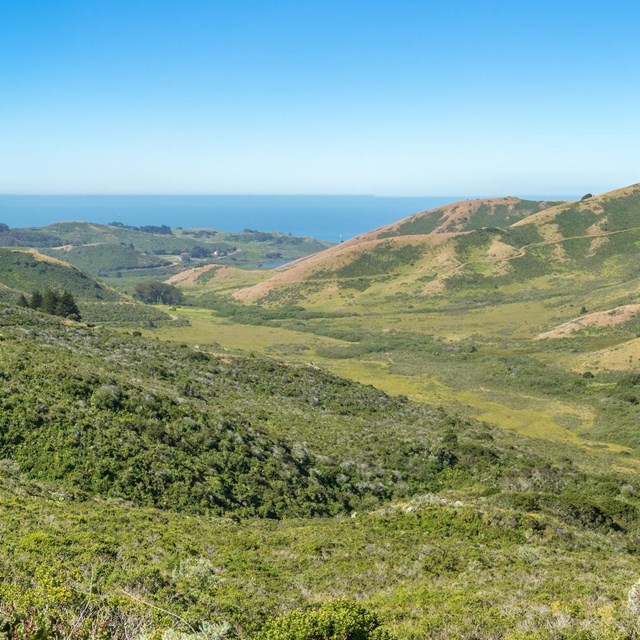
[(531, 327), (569, 241), (178, 428), (24, 271), (467, 215), (88, 245), (412, 248), (108, 259), (121, 454)]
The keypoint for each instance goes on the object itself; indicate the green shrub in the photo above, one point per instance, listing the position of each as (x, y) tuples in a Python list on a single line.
[(337, 620)]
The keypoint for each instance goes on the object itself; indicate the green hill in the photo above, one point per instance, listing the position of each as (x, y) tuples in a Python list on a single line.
[(88, 245), (460, 529), (533, 327), (172, 427), (108, 259), (467, 215), (27, 271), (570, 249)]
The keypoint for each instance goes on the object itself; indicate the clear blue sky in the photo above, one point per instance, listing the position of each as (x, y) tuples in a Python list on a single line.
[(383, 97)]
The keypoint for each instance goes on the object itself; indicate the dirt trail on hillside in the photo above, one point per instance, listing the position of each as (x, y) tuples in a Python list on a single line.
[(609, 318), (45, 258), (296, 271), (191, 275)]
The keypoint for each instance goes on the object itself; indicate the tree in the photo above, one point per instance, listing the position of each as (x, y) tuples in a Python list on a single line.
[(53, 302), (22, 301), (155, 292), (200, 252), (67, 307), (36, 300), (586, 196), (50, 302)]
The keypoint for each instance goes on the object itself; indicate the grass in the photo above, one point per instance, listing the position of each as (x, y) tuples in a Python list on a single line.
[(207, 329), (428, 567), (460, 529), (436, 379), (504, 504)]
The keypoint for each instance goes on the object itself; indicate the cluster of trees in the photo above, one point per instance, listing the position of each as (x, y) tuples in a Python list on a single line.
[(53, 302), (162, 229), (155, 292), (201, 233), (27, 237), (259, 236)]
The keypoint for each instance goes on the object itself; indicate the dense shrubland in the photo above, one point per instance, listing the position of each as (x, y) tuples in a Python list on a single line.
[(109, 258), (151, 490), (177, 428)]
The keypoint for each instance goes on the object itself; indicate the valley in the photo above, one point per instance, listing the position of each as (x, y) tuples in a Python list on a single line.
[(319, 320), (438, 420)]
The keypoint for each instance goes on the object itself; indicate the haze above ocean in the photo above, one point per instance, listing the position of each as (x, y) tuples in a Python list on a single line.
[(332, 218)]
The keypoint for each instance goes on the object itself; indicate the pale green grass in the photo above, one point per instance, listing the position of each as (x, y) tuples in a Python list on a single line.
[(208, 329), (550, 421)]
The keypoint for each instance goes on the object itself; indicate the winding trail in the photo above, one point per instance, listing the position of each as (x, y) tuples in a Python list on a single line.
[(458, 268), (522, 251)]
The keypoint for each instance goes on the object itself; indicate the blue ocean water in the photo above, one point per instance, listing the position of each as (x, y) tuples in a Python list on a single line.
[(331, 218)]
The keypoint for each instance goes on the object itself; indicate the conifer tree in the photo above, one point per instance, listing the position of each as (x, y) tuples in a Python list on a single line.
[(50, 301), (67, 307), (36, 300)]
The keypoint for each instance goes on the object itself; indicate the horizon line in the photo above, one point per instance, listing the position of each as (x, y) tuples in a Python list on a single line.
[(265, 195)]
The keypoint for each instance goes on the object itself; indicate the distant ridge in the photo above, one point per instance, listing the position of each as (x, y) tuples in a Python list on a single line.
[(470, 248), (428, 229)]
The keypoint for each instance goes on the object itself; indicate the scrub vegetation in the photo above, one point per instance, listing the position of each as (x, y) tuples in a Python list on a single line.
[(430, 431)]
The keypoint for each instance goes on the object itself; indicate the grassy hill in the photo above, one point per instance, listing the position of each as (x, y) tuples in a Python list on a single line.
[(413, 254), (467, 215), (26, 271), (586, 244), (119, 452), (532, 327), (88, 245), (108, 258)]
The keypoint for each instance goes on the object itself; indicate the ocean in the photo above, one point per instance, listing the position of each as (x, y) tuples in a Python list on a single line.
[(332, 218)]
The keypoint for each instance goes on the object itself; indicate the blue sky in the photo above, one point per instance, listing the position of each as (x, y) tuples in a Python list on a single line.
[(378, 97)]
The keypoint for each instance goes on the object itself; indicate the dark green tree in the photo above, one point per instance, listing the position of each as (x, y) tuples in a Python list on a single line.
[(67, 306), (22, 301), (50, 301), (155, 292), (36, 300)]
